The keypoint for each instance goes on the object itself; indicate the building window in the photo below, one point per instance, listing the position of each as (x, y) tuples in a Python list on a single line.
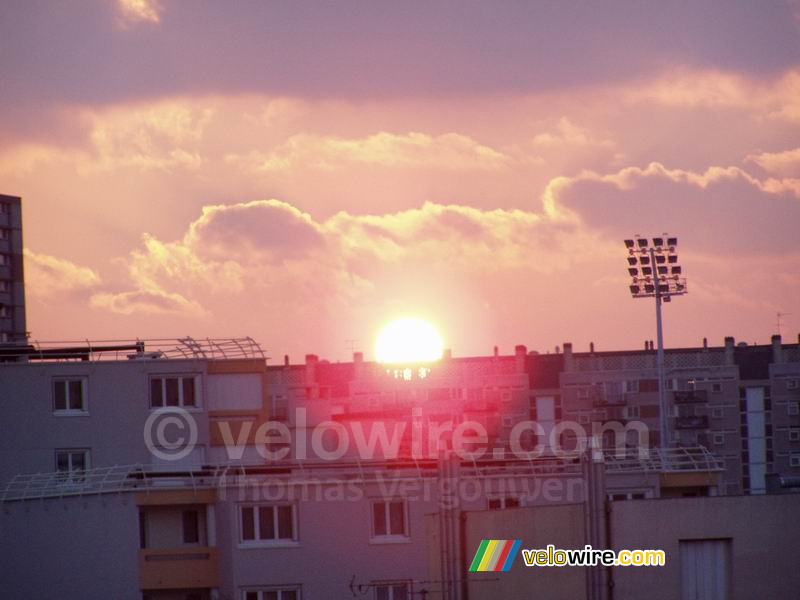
[(392, 591), (174, 390), (583, 419), (792, 409), (272, 594), (717, 412), (142, 529), (794, 435), (719, 439), (793, 384), (4, 285), (3, 233), (503, 502), (583, 393), (631, 412), (794, 460), (5, 260), (69, 395), (191, 527), (632, 386), (508, 421), (389, 519), (72, 464), (272, 523), (5, 311), (716, 388)]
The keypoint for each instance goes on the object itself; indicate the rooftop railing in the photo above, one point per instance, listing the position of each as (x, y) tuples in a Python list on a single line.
[(136, 349)]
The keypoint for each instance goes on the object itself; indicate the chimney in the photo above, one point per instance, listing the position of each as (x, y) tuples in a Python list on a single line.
[(358, 364), (285, 360), (591, 347), (311, 368), (646, 345), (568, 363), (496, 351), (705, 343), (777, 350), (447, 354), (520, 351), (730, 345)]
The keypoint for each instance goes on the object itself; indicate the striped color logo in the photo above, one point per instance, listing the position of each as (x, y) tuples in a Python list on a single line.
[(495, 555)]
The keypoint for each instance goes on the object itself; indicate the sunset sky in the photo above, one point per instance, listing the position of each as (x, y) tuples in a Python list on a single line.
[(304, 172)]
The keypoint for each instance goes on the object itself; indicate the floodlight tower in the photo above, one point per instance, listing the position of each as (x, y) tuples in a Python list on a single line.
[(656, 274)]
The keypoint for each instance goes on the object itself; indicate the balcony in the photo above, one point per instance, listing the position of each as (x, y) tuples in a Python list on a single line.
[(610, 400), (696, 422), (690, 397), (178, 568)]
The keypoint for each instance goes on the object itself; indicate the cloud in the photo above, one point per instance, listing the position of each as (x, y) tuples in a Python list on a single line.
[(568, 133), (411, 150), (48, 277), (147, 303), (779, 163), (724, 209), (772, 98), (135, 12)]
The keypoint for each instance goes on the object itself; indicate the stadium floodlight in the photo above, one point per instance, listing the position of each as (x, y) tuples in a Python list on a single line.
[(662, 284)]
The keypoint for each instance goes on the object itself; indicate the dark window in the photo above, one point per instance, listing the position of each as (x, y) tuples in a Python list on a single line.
[(188, 391), (266, 523), (285, 522), (191, 527), (60, 395), (68, 395), (156, 397), (142, 529), (379, 518), (248, 523), (76, 394), (173, 397)]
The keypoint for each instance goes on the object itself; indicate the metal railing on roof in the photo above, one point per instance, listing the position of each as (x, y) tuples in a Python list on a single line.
[(146, 478), (136, 349), (696, 458)]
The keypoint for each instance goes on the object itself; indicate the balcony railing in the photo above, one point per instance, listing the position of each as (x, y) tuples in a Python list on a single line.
[(605, 399), (697, 422), (690, 397), (178, 568)]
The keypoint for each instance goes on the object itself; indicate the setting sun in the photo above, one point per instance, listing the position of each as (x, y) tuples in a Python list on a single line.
[(408, 340)]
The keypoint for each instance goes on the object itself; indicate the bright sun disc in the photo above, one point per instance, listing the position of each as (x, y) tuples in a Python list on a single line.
[(408, 340)]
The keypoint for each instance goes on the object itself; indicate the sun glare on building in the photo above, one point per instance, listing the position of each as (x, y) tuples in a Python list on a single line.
[(408, 340)]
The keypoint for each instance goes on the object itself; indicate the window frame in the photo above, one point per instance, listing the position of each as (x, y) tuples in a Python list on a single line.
[(258, 542), (67, 411), (195, 377), (794, 460), (74, 475), (388, 537), (280, 589), (718, 438), (391, 585), (503, 499)]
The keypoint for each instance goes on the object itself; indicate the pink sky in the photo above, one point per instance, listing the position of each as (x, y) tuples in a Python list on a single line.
[(305, 172)]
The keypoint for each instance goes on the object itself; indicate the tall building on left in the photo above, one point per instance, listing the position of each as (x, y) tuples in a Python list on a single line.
[(12, 280)]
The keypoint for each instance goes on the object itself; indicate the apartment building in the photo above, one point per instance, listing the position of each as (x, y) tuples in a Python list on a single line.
[(739, 401), (90, 509), (12, 288)]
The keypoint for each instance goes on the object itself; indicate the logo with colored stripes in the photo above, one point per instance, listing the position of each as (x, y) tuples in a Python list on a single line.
[(495, 555)]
